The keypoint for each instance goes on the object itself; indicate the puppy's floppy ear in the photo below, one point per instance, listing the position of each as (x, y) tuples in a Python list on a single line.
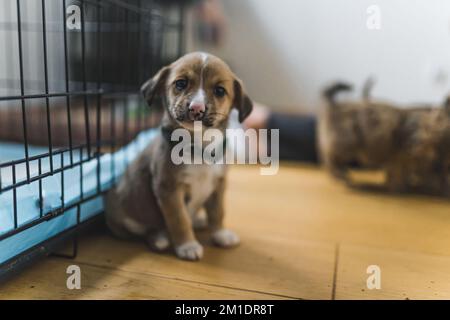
[(155, 86), (241, 101)]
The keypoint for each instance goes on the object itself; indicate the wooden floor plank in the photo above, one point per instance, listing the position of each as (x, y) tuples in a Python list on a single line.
[(47, 280), (288, 268), (304, 202), (404, 275)]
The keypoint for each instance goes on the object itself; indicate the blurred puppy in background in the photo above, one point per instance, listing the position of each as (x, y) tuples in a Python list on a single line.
[(159, 201), (419, 164), (410, 144), (356, 133)]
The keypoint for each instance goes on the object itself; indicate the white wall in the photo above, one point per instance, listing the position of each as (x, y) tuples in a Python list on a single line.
[(287, 50)]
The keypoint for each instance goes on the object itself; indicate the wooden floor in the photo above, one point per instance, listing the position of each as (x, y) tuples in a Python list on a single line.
[(303, 234)]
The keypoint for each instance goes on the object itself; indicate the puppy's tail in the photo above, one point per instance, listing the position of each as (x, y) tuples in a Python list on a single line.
[(367, 88), (331, 92)]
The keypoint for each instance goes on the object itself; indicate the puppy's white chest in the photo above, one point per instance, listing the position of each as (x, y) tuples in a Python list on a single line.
[(201, 181)]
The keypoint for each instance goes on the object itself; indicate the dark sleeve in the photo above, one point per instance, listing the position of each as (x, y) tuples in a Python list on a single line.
[(297, 136)]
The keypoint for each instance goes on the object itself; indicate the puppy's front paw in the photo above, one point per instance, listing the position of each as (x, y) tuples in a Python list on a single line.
[(191, 250), (225, 238)]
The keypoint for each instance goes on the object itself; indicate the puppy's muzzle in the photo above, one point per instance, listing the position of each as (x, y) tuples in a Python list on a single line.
[(196, 111)]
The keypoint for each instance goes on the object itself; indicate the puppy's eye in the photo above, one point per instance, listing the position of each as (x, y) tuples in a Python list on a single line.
[(181, 84), (219, 91)]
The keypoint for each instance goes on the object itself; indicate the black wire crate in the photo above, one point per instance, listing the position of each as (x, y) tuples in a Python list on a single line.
[(71, 115)]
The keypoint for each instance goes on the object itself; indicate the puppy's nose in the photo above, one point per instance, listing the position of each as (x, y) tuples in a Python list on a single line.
[(197, 107), (197, 110)]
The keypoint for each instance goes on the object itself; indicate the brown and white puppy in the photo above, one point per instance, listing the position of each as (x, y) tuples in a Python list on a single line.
[(159, 201)]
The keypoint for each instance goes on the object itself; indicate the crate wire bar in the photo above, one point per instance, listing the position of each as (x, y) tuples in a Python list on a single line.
[(71, 116)]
